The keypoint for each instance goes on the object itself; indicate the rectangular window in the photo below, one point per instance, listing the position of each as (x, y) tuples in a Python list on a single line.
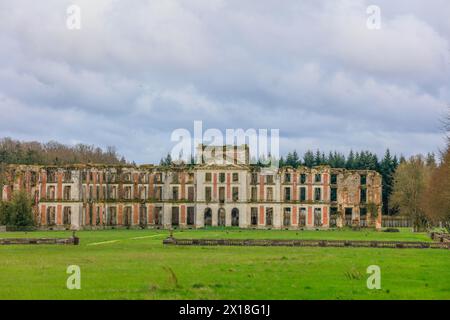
[(112, 178), (235, 193), (128, 193), (362, 212), (333, 195), (112, 216), (317, 194), (270, 179), (208, 177), (363, 179), (254, 179), (67, 176), (51, 176), (175, 193), (269, 194), (286, 217), (254, 216), (190, 216), (235, 177), (318, 177), (303, 178), (114, 193), (175, 216), (269, 217), (221, 194), (158, 212), (158, 193), (349, 212), (142, 193), (287, 177), (302, 217), (254, 194), (91, 215), (333, 179), (191, 193), (127, 216), (222, 177), (67, 193), (51, 193), (67, 215), (317, 217), (363, 195), (287, 194), (175, 178), (143, 215), (158, 177), (302, 194), (208, 193), (33, 177)]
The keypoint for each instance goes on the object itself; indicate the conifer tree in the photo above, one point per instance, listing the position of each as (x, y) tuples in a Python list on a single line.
[(308, 159), (317, 158), (387, 170), (350, 164)]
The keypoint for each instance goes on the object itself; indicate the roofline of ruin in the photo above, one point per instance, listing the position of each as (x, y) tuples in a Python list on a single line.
[(250, 167)]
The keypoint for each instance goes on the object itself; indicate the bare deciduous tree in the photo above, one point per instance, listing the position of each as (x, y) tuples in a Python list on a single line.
[(437, 193), (410, 182)]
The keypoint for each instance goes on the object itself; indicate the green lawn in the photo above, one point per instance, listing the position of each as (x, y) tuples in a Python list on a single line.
[(133, 264)]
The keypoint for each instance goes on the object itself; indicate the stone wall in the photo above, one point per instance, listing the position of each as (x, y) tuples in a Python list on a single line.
[(102, 196)]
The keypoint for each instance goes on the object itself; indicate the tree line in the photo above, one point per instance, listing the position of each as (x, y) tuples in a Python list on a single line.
[(55, 153)]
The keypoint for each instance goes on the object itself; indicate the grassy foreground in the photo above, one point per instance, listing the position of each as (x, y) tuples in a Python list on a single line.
[(133, 264)]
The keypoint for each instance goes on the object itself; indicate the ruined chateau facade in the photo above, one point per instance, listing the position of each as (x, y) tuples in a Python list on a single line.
[(229, 192)]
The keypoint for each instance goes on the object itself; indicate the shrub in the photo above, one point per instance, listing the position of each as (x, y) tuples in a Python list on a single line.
[(18, 212)]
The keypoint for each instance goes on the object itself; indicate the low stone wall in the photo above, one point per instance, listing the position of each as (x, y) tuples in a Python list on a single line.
[(440, 237), (307, 243), (70, 241)]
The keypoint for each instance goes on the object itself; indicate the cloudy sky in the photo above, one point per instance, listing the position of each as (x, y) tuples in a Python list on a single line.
[(137, 70)]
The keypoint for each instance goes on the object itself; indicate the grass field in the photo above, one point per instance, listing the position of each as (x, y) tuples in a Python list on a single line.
[(133, 264)]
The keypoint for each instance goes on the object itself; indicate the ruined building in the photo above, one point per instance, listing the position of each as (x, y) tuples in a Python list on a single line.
[(222, 190)]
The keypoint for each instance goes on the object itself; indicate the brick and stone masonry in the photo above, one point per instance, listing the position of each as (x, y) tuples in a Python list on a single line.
[(189, 196)]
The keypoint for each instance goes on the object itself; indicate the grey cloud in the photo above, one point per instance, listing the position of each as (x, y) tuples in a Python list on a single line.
[(138, 70)]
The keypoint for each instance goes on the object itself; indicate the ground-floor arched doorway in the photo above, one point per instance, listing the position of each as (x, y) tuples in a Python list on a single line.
[(208, 217), (235, 217), (222, 219)]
